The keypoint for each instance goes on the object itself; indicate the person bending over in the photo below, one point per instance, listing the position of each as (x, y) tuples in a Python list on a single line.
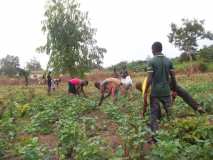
[(76, 86), (107, 87)]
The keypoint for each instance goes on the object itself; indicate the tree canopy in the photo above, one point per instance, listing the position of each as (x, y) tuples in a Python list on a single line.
[(8, 65), (186, 36), (69, 38), (33, 65)]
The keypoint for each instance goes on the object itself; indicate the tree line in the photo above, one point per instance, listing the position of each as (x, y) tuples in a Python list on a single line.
[(10, 66)]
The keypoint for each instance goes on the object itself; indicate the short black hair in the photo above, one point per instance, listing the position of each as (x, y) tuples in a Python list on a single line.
[(157, 46)]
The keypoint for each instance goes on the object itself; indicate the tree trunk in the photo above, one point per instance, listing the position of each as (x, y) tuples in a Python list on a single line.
[(190, 61), (26, 80)]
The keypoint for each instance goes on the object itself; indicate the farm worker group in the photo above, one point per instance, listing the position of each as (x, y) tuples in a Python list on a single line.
[(159, 86)]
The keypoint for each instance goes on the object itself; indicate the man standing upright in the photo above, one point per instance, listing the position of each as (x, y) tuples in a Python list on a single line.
[(160, 72)]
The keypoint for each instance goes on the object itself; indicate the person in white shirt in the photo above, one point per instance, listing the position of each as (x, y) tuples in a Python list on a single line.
[(53, 84), (126, 81)]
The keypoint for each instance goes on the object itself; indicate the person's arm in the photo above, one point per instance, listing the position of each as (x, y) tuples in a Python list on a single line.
[(78, 89), (103, 97), (82, 90)]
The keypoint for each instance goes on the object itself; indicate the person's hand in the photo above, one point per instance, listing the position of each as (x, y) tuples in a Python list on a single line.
[(174, 95)]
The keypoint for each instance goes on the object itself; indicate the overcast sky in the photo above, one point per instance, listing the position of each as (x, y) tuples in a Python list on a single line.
[(126, 28)]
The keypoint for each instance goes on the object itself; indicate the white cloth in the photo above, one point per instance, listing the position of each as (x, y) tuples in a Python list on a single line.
[(52, 84), (126, 81)]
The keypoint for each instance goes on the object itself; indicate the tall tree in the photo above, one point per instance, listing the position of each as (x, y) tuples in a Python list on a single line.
[(24, 73), (186, 36), (70, 38), (33, 65), (8, 65)]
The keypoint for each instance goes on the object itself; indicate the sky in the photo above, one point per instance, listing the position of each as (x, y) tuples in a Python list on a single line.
[(126, 28)]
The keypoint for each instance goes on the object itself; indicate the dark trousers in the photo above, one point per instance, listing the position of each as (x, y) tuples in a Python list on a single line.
[(71, 88), (156, 111), (166, 101), (187, 98), (49, 86)]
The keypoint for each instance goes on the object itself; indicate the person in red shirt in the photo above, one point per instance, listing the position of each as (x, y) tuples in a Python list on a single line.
[(109, 86), (76, 86)]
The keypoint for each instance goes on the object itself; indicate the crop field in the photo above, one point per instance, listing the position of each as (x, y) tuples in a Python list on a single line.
[(35, 126)]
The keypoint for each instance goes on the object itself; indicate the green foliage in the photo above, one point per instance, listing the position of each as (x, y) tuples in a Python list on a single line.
[(87, 150), (132, 128), (203, 67), (32, 150), (8, 65), (185, 58), (70, 38), (189, 138), (22, 109), (185, 37), (33, 65), (135, 66), (42, 121), (72, 131), (8, 127), (207, 103), (3, 147), (206, 53), (168, 150)]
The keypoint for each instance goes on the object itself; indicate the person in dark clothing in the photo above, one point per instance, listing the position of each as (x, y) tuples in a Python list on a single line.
[(49, 81), (160, 72)]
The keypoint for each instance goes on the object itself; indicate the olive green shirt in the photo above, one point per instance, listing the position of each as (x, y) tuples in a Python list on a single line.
[(160, 66)]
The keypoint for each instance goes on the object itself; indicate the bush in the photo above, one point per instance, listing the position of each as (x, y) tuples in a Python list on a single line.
[(185, 58), (202, 67)]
